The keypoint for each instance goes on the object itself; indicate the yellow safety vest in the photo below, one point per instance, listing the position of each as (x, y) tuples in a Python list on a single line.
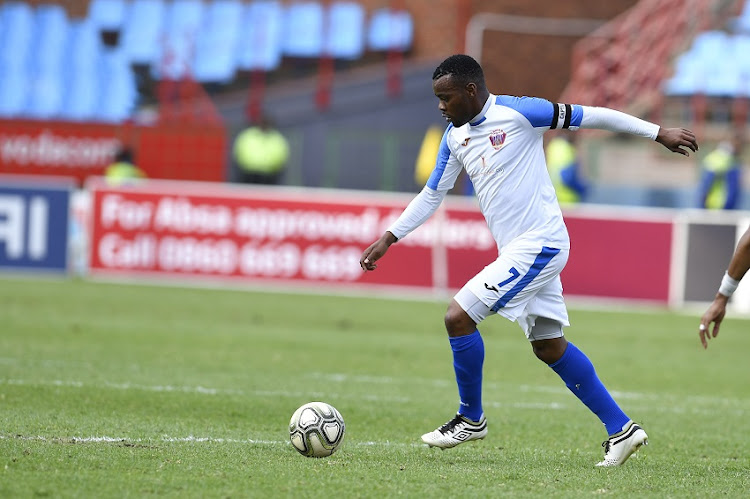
[(560, 155), (718, 162), (122, 171), (428, 153), (261, 151)]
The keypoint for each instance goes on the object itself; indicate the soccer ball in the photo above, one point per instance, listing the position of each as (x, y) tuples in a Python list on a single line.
[(316, 429)]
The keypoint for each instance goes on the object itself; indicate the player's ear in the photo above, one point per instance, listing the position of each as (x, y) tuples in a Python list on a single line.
[(471, 89)]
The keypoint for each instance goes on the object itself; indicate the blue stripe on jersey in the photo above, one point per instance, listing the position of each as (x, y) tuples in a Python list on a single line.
[(538, 111), (444, 153), (541, 261)]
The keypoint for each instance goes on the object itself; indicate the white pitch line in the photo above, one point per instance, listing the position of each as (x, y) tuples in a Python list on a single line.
[(188, 439)]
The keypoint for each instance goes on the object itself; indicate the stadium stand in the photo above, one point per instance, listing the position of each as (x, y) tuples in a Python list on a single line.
[(99, 67), (259, 47), (142, 30)]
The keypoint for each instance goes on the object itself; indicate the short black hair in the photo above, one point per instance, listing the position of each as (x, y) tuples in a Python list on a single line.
[(462, 67)]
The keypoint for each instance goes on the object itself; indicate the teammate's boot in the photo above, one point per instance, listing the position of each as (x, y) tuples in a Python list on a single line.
[(456, 431), (619, 447)]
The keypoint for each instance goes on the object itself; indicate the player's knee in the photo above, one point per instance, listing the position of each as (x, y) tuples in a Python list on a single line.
[(551, 350), (457, 321)]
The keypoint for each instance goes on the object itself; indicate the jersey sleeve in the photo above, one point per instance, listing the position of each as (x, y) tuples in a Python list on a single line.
[(447, 167), (542, 113)]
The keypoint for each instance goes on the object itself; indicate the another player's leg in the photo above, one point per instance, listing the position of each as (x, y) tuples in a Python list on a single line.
[(466, 343), (579, 375)]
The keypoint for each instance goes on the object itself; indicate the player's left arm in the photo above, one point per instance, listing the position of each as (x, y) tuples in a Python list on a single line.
[(678, 140)]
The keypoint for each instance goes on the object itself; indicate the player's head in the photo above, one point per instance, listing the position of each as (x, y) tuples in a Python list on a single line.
[(458, 83)]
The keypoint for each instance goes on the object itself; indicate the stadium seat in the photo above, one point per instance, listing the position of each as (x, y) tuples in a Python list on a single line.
[(107, 14), (81, 96), (16, 37), (723, 80), (688, 78), (13, 93), (742, 23), (84, 46), (119, 93), (303, 30), (141, 33), (259, 46), (390, 30), (345, 33), (183, 23), (216, 48), (49, 48), (45, 99)]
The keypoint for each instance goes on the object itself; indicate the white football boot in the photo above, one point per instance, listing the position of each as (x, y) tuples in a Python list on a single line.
[(619, 447), (456, 431)]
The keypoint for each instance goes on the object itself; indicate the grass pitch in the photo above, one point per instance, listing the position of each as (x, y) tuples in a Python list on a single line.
[(132, 391)]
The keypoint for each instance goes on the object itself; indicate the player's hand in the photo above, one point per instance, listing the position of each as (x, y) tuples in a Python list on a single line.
[(375, 251), (714, 314), (677, 140)]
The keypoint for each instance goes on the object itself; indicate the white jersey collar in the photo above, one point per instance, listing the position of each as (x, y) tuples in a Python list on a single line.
[(479, 118)]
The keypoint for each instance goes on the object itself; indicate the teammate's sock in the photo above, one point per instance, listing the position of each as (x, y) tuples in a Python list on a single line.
[(579, 375), (468, 357)]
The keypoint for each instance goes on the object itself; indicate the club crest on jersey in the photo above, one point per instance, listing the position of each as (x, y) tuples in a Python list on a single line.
[(497, 139)]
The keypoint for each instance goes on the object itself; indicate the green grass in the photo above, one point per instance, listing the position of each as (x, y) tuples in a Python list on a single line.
[(135, 391)]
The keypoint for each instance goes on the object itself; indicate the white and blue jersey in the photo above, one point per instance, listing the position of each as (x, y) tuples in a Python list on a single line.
[(502, 151)]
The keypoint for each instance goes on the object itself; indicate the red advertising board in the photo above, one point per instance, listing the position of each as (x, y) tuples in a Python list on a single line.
[(256, 235), (618, 258), (316, 237), (81, 150)]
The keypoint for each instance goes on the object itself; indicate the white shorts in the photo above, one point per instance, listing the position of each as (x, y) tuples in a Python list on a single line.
[(521, 285)]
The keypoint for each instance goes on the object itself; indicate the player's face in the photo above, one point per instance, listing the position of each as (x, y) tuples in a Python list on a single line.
[(457, 101)]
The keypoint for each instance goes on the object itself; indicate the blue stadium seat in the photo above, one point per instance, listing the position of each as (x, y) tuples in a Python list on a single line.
[(216, 49), (183, 23), (259, 45), (107, 14), (345, 33), (141, 33), (119, 93), (390, 30), (81, 96), (741, 53), (723, 80), (49, 48), (688, 78), (84, 46), (303, 30), (45, 100), (13, 94), (16, 37), (742, 23)]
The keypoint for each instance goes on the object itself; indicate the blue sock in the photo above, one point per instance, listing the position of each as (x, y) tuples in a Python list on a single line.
[(578, 373), (468, 358)]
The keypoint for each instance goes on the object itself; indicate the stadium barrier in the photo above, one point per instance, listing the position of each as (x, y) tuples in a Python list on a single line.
[(168, 151), (34, 222), (312, 239)]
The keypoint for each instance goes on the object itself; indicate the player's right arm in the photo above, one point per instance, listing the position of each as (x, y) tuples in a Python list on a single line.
[(421, 208), (738, 267)]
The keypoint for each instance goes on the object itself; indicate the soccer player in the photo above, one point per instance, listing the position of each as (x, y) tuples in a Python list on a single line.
[(738, 267), (497, 139)]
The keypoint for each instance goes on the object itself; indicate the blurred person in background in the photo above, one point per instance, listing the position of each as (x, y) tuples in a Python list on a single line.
[(565, 169), (738, 267), (498, 140), (123, 169), (261, 153), (720, 185), (428, 153)]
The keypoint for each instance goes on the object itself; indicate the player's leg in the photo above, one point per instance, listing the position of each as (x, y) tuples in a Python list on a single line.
[(506, 284), (468, 358), (578, 373)]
